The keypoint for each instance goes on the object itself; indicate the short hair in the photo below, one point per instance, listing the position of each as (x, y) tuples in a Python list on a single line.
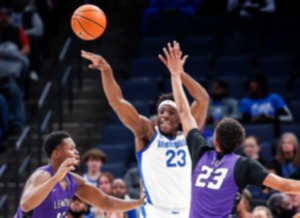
[(53, 140), (230, 134), (94, 153), (164, 96), (275, 200), (267, 210)]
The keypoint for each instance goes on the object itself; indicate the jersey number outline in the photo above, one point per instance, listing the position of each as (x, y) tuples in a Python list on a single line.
[(217, 181), (61, 215), (171, 155)]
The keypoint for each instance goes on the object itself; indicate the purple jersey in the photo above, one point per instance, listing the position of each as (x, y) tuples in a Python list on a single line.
[(56, 204), (213, 186)]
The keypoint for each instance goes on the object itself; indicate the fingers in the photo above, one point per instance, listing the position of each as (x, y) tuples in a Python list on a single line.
[(93, 66), (166, 52), (184, 59), (70, 162), (162, 59), (71, 168)]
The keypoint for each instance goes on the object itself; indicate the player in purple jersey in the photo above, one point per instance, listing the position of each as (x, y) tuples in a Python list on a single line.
[(50, 189), (219, 176)]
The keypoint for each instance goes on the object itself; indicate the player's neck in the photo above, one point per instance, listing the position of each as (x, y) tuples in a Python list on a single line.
[(54, 165)]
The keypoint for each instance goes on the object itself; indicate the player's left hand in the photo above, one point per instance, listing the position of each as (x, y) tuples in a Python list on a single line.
[(173, 59), (98, 62)]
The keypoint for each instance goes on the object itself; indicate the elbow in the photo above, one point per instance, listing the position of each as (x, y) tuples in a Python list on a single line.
[(205, 97), (25, 207), (114, 103)]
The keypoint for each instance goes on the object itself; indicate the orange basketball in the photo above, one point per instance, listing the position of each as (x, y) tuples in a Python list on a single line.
[(88, 22)]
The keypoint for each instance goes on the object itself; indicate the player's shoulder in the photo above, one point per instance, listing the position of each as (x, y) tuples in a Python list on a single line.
[(39, 176), (245, 162)]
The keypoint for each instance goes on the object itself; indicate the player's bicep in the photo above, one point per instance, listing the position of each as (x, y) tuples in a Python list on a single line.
[(36, 179), (256, 172), (274, 181)]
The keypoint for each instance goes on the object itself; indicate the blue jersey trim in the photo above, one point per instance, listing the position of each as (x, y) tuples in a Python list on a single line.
[(139, 160), (143, 212), (149, 144)]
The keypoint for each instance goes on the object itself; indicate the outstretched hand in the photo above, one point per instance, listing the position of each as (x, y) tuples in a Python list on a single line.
[(173, 59), (98, 62)]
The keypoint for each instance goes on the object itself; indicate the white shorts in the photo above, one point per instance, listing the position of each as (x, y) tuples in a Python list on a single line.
[(151, 211)]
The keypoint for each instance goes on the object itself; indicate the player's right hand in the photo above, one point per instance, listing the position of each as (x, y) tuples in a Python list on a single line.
[(98, 62), (67, 166)]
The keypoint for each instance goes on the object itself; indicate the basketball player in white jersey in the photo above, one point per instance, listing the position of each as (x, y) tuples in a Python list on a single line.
[(162, 154)]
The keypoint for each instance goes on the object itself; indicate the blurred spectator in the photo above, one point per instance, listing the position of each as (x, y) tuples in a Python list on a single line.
[(281, 206), (261, 212), (4, 116), (221, 104), (296, 202), (119, 190), (15, 35), (251, 7), (261, 107), (132, 180), (244, 205), (287, 159), (105, 184), (25, 16), (251, 149), (94, 160), (170, 7), (77, 208), (153, 119)]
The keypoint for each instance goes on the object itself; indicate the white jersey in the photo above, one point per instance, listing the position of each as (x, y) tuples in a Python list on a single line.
[(166, 169)]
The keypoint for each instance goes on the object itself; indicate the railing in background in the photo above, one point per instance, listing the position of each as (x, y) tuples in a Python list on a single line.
[(43, 101), (46, 122), (66, 80), (4, 195), (25, 164)]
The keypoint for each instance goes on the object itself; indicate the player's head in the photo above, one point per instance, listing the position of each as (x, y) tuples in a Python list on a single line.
[(229, 135), (167, 117), (261, 212), (288, 148), (77, 208), (59, 146), (119, 189), (94, 160), (105, 182), (219, 89)]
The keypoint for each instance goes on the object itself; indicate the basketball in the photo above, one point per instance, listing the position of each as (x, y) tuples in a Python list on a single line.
[(88, 22)]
